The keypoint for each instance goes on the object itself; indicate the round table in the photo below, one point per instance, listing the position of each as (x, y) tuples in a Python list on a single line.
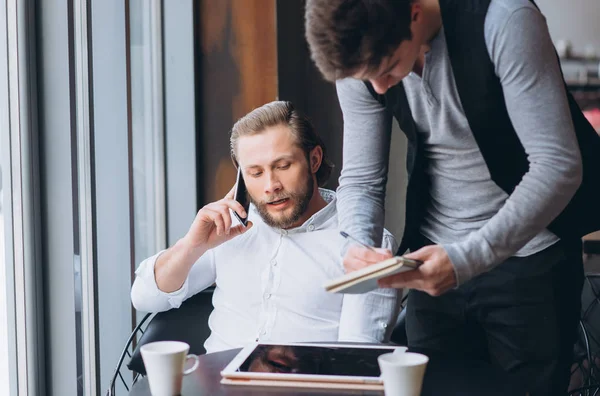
[(444, 376)]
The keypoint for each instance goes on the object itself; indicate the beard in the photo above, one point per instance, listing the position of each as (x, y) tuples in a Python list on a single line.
[(299, 198)]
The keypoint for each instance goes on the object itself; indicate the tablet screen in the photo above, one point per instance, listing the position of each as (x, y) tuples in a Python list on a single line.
[(315, 360)]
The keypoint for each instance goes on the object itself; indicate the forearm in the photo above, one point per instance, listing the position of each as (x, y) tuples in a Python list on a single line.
[(528, 211), (535, 98), (361, 210), (173, 265), (361, 194)]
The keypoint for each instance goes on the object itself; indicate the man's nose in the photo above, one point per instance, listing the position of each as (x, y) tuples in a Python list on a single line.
[(273, 184), (380, 85)]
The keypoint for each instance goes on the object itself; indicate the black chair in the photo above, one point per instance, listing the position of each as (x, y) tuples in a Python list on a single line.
[(585, 375), (188, 323), (591, 246), (132, 340), (398, 335)]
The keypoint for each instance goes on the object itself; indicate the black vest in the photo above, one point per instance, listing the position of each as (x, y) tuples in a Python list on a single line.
[(482, 99)]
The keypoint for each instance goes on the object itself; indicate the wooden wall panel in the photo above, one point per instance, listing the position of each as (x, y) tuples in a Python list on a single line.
[(301, 82), (236, 71)]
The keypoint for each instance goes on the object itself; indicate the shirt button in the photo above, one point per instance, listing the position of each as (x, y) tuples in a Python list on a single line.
[(264, 332), (274, 263), (284, 232), (311, 227), (267, 296), (383, 325)]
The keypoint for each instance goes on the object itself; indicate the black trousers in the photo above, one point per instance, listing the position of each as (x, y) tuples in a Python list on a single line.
[(522, 316)]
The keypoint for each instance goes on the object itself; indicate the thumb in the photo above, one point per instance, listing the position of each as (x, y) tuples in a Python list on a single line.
[(421, 254)]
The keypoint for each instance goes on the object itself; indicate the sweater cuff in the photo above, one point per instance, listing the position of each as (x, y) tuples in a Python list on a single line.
[(470, 258)]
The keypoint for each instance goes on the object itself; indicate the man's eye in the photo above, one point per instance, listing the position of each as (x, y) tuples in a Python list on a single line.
[(256, 174), (283, 167)]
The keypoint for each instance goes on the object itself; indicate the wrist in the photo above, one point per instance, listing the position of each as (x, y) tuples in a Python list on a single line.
[(189, 248)]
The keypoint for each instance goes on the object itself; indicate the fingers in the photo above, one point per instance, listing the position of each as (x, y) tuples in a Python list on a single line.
[(239, 230), (426, 277), (422, 254), (358, 257), (231, 192), (223, 222), (218, 218), (434, 277), (218, 213), (416, 279), (375, 255), (235, 206), (410, 279)]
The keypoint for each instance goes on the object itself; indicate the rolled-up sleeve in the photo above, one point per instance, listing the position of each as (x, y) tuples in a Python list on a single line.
[(147, 297)]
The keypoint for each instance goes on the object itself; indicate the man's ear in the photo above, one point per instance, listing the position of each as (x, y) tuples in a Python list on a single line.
[(415, 11), (315, 157)]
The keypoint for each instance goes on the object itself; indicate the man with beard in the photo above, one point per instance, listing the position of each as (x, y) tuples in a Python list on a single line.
[(269, 276)]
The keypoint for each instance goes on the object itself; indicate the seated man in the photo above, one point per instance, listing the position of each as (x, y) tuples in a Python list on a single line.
[(269, 275)]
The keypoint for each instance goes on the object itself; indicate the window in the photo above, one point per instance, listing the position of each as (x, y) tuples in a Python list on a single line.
[(4, 368), (147, 118)]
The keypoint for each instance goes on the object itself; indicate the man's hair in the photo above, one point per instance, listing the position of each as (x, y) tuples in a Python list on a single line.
[(282, 113), (346, 36)]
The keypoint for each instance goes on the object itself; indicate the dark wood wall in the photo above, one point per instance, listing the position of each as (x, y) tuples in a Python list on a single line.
[(236, 71), (250, 52), (301, 83)]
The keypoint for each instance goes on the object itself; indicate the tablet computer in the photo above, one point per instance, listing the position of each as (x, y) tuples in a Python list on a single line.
[(351, 366)]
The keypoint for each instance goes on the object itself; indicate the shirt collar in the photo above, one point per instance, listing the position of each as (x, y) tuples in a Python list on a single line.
[(317, 221)]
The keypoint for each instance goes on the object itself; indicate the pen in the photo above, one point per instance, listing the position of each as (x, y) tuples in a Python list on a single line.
[(348, 236), (415, 263)]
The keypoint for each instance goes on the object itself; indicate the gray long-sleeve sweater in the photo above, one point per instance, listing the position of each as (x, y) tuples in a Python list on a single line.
[(478, 224)]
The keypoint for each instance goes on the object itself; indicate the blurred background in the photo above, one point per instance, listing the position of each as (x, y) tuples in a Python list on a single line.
[(114, 123)]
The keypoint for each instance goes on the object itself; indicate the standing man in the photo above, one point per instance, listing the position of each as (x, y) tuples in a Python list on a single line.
[(502, 171)]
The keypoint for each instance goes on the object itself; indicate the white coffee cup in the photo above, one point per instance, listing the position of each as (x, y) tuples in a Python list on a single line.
[(402, 373), (164, 362)]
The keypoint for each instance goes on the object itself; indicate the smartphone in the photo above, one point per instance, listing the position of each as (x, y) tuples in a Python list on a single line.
[(241, 195)]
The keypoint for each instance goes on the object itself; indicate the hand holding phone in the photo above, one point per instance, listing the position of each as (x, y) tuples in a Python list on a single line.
[(213, 224)]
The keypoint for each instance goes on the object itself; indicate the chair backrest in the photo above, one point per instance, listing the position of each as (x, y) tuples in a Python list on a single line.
[(117, 375), (188, 323), (586, 367), (591, 243), (398, 336)]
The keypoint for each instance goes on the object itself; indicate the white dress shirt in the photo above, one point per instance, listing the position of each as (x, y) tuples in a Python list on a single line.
[(269, 287)]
